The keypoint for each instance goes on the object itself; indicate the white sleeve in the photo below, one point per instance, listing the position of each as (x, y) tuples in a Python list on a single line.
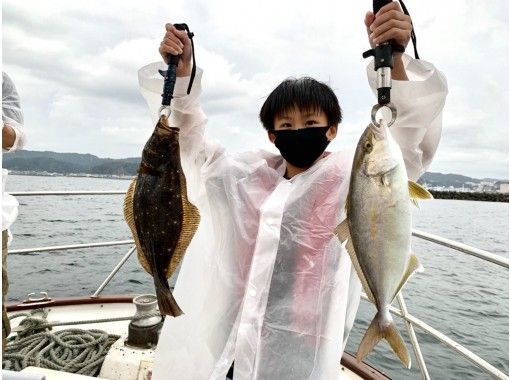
[(12, 113), (187, 115), (419, 103), (20, 139)]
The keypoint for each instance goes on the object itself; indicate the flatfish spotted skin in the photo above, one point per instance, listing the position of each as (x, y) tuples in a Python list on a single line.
[(158, 212)]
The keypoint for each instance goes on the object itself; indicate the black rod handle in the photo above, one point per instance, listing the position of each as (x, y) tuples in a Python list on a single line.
[(174, 59), (378, 4), (181, 26), (170, 74), (169, 84)]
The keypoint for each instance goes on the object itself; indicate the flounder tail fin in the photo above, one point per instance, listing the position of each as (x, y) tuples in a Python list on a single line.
[(167, 303), (383, 327)]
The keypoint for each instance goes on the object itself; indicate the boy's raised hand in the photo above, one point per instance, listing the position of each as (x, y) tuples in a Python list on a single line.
[(390, 23), (177, 42)]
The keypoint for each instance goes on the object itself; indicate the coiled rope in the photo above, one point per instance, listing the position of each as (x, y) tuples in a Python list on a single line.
[(71, 350)]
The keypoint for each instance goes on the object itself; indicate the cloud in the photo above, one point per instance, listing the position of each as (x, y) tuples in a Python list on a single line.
[(75, 65)]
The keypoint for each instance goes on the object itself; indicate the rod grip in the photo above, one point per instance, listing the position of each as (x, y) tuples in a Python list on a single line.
[(378, 4), (174, 59)]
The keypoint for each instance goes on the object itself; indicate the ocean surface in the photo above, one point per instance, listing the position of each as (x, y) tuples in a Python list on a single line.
[(462, 296)]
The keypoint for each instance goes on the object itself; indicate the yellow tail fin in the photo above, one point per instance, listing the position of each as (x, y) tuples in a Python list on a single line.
[(382, 326)]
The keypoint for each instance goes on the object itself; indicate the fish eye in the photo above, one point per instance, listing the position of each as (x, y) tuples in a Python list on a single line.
[(368, 146)]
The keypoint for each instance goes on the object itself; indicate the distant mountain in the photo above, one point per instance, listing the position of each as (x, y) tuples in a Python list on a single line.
[(439, 179), (76, 163), (118, 167), (81, 160), (458, 182), (69, 163)]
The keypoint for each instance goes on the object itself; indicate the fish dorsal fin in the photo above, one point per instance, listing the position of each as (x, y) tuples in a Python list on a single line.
[(413, 265), (130, 220), (344, 235), (417, 191)]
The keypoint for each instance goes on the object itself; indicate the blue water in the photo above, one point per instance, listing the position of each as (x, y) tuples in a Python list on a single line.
[(459, 295)]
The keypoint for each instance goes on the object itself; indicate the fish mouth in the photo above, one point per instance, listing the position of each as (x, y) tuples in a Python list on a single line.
[(378, 131)]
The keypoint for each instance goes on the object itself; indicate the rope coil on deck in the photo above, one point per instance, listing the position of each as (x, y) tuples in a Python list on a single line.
[(71, 350)]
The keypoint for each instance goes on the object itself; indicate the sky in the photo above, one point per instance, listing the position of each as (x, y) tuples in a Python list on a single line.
[(75, 66)]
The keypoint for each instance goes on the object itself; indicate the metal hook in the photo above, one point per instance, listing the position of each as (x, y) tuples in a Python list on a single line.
[(377, 107)]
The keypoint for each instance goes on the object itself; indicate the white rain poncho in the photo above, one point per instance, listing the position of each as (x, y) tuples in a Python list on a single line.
[(13, 116), (264, 281)]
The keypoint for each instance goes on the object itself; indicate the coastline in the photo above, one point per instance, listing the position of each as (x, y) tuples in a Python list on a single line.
[(455, 195), (470, 196), (72, 175)]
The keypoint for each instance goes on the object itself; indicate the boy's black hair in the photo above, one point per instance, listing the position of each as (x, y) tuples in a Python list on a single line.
[(304, 93)]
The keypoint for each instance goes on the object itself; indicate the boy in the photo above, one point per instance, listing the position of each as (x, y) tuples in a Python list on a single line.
[(265, 282)]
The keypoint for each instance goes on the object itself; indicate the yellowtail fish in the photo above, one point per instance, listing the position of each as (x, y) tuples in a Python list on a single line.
[(377, 231)]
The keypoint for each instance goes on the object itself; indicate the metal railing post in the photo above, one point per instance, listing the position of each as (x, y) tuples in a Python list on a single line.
[(414, 340), (114, 271), (480, 253), (68, 247)]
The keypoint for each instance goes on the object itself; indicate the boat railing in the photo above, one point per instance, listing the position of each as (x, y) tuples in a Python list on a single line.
[(410, 320)]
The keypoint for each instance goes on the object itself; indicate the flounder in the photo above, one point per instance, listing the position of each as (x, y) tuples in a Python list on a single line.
[(161, 218)]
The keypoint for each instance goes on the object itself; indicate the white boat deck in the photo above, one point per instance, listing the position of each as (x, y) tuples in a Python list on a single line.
[(50, 374), (103, 311)]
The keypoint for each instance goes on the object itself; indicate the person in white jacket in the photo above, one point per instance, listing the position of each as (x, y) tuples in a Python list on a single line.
[(13, 138), (265, 283)]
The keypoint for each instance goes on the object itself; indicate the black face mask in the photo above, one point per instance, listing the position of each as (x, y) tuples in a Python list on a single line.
[(303, 146)]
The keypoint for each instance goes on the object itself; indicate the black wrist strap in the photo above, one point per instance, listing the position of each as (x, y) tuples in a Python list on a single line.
[(413, 35), (194, 68), (185, 27)]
